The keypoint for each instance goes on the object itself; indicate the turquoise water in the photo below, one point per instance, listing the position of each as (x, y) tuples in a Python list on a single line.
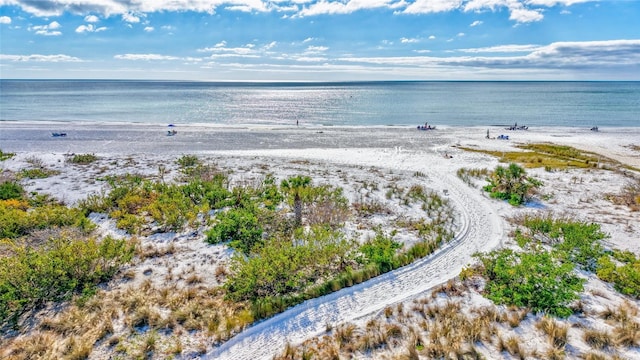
[(573, 104)]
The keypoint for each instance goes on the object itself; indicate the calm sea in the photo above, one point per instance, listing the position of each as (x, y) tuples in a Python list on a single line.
[(573, 104)]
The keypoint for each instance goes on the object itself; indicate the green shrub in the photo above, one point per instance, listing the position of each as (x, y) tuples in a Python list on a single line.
[(280, 268), (381, 250), (37, 173), (6, 155), (11, 190), (511, 184), (579, 242), (238, 225), (534, 279), (63, 266), (186, 161), (622, 269), (83, 159), (16, 221)]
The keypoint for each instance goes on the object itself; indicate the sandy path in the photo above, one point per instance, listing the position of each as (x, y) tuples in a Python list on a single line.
[(480, 229)]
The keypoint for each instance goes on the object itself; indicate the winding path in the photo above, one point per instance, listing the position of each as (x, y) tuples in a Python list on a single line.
[(480, 229)]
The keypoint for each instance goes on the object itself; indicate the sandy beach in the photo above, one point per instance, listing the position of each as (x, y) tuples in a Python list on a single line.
[(347, 157)]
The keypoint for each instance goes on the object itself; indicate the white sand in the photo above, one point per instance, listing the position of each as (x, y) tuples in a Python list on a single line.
[(481, 227)]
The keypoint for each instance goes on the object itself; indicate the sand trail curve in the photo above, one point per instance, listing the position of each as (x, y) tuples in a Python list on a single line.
[(480, 229)]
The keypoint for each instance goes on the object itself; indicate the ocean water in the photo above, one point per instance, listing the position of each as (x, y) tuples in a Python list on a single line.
[(571, 104)]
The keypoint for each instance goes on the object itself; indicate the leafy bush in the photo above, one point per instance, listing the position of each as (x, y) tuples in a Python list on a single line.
[(11, 190), (186, 161), (280, 267), (63, 266), (511, 184), (83, 159), (578, 242), (623, 270), (238, 225), (16, 221), (381, 250), (535, 279)]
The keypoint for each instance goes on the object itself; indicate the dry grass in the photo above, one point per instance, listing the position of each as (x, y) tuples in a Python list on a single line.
[(598, 339), (556, 332), (153, 317)]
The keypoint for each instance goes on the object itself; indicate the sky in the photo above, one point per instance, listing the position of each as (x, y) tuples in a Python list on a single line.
[(320, 40)]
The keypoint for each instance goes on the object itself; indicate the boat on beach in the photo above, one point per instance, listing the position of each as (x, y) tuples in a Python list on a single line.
[(58, 134)]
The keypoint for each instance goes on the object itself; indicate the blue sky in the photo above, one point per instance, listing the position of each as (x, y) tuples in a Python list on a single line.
[(321, 40)]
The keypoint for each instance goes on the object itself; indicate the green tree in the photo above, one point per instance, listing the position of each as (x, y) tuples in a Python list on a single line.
[(294, 187), (512, 184)]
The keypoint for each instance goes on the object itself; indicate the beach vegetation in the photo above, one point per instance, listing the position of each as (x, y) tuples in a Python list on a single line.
[(6, 155), (469, 175), (83, 159), (186, 161), (628, 196), (536, 279), (11, 190), (552, 157), (37, 173), (31, 276), (20, 215), (240, 226), (295, 188), (511, 183), (622, 269)]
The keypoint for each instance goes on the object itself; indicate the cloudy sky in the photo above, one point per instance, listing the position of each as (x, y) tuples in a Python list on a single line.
[(321, 40)]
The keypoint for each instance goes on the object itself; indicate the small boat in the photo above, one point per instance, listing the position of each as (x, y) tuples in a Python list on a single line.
[(171, 132), (428, 127), (58, 134), (503, 137)]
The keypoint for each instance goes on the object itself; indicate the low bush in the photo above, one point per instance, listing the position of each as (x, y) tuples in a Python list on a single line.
[(512, 184), (238, 225), (62, 266), (6, 155), (623, 270), (83, 159), (536, 279), (11, 190), (18, 219)]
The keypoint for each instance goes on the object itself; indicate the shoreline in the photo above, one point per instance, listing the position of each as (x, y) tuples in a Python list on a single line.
[(129, 139)]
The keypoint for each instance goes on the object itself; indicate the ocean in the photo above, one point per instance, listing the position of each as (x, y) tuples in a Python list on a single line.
[(360, 104)]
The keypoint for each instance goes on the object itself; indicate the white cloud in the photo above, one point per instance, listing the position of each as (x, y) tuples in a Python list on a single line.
[(5, 20), (432, 6), (502, 49), (550, 3), (149, 29), (91, 19), (155, 57), (316, 49), (475, 23), (47, 30), (561, 55), (523, 15), (521, 11), (307, 40), (89, 28), (409, 41), (40, 58), (343, 7), (130, 18), (432, 37), (461, 34)]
